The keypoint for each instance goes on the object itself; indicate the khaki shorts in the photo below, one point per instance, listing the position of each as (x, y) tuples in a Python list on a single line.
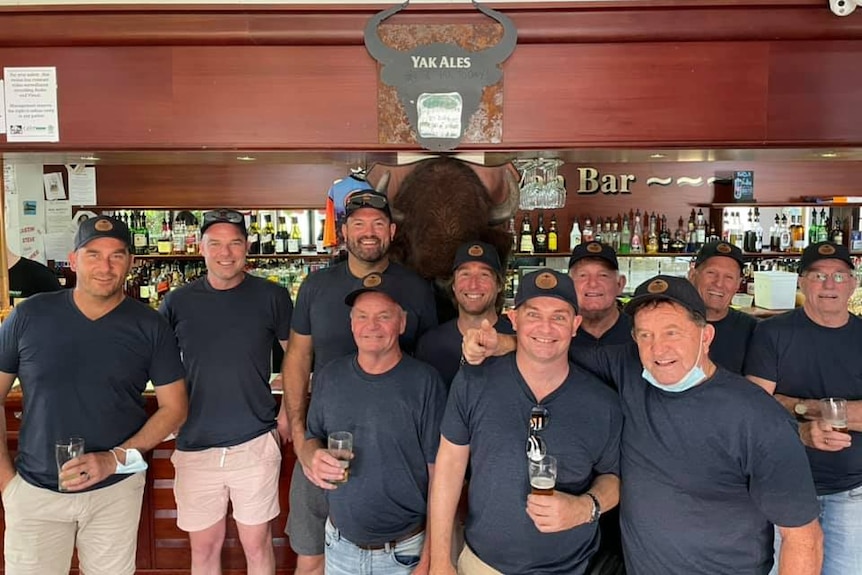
[(470, 564), (43, 527), (245, 474)]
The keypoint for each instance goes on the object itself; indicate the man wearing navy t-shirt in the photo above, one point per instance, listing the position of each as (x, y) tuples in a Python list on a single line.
[(809, 354)]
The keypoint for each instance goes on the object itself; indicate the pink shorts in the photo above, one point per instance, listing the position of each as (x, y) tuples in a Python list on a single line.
[(245, 474)]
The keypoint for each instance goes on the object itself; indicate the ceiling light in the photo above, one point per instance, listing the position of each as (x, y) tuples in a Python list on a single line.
[(829, 155), (657, 156), (246, 158)]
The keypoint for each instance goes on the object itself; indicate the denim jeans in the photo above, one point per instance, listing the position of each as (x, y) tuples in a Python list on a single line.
[(841, 521), (344, 558)]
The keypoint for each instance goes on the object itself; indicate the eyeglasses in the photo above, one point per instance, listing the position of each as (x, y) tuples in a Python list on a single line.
[(364, 199), (837, 277), (229, 216), (539, 419)]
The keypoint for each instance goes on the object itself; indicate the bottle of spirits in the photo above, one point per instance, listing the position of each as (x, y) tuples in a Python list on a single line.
[(294, 242), (784, 242), (625, 236), (797, 235), (164, 244), (837, 234), (318, 244), (281, 236), (652, 235), (598, 235), (758, 232), (588, 234), (192, 239), (615, 235), (637, 235), (553, 235), (142, 236), (253, 235), (267, 236), (541, 238), (822, 230), (664, 237), (812, 230), (179, 237), (575, 235), (525, 241), (700, 229)]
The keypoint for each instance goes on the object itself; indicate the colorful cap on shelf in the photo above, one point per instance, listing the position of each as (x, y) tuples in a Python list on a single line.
[(824, 251), (224, 216), (546, 283), (594, 249), (667, 288), (481, 252), (719, 248), (366, 199), (102, 227), (375, 282)]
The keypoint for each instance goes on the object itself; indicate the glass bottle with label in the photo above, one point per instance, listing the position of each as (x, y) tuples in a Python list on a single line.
[(281, 236), (267, 236), (165, 245), (319, 244), (525, 243), (253, 235), (575, 234), (637, 235), (294, 242), (553, 236), (625, 236), (142, 236), (541, 241)]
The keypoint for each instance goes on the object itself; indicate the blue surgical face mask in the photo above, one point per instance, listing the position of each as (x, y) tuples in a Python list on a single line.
[(694, 376)]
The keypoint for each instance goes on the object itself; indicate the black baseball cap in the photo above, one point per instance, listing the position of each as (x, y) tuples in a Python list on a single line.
[(481, 252), (224, 216), (375, 282), (102, 227), (824, 251), (667, 288), (547, 283), (366, 198), (719, 248), (594, 250)]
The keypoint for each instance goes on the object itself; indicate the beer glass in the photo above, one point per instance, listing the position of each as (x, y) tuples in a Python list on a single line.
[(340, 446), (66, 450), (543, 476), (833, 410)]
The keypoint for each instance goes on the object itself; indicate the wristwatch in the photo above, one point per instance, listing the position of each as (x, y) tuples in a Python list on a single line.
[(597, 509), (799, 410)]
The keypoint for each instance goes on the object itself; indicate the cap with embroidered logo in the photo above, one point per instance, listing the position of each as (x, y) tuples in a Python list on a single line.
[(102, 227), (719, 248), (481, 252), (667, 288), (546, 283), (824, 251), (375, 282), (594, 250)]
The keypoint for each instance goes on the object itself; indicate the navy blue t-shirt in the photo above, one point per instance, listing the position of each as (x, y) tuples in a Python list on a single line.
[(619, 333), (809, 361), (226, 339), (82, 377), (441, 346), (705, 472), (732, 336), (489, 409), (395, 421), (321, 312)]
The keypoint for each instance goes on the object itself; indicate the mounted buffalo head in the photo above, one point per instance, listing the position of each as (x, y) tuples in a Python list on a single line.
[(440, 85)]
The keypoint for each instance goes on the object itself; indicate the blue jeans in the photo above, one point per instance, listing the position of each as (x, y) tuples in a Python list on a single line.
[(841, 521), (344, 558)]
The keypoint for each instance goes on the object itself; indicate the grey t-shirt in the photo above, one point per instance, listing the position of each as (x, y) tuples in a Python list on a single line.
[(82, 377), (226, 340), (321, 312), (489, 409), (395, 421)]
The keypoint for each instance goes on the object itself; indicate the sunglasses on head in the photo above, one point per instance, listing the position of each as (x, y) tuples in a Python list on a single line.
[(539, 419), (365, 199), (229, 216)]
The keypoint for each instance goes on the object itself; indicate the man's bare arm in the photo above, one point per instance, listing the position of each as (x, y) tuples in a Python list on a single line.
[(450, 467), (7, 469), (295, 371), (801, 549)]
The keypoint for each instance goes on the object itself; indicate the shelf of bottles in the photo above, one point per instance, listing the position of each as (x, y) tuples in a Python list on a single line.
[(284, 247)]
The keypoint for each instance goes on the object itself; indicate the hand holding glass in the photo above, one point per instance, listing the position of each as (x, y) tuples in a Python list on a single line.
[(340, 446), (66, 450), (833, 410), (543, 476)]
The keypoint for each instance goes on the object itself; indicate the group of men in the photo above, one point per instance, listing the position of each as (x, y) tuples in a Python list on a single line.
[(645, 406)]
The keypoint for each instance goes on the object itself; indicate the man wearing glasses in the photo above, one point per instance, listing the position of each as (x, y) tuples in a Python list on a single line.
[(519, 408), (320, 332), (813, 353), (228, 449)]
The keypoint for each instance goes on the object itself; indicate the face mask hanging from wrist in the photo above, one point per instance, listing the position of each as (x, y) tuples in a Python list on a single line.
[(694, 376)]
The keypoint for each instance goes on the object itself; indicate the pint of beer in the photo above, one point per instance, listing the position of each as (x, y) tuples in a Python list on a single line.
[(543, 475), (834, 412), (340, 446)]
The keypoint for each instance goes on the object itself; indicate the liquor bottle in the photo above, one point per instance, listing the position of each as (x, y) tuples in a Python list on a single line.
[(664, 236), (797, 235), (652, 236), (691, 237), (553, 236), (179, 237), (588, 230), (541, 237), (837, 233), (625, 236), (737, 233), (615, 235), (598, 235), (700, 228), (294, 242), (677, 246), (253, 235), (525, 240), (164, 244), (758, 232), (822, 230), (748, 237), (281, 236), (812, 230), (267, 236), (637, 235), (713, 234), (775, 235), (319, 244), (141, 238), (784, 237), (193, 235), (725, 226), (575, 235)]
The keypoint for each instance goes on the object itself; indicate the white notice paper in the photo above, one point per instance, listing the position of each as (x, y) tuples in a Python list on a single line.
[(82, 185), (54, 189), (31, 104), (58, 217), (2, 109), (58, 245)]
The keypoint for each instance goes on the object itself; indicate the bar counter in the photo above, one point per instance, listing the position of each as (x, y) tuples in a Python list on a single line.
[(163, 548)]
